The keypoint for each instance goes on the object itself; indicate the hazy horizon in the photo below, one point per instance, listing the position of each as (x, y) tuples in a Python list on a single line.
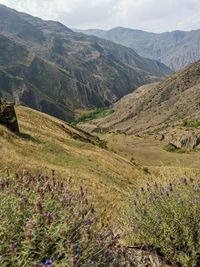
[(147, 15)]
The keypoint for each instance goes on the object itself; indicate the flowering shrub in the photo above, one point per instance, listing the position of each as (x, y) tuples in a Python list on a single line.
[(43, 224), (168, 219)]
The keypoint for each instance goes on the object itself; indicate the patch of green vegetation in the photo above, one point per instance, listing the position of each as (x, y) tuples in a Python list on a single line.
[(97, 114), (194, 124), (185, 122), (132, 160), (155, 131), (145, 169), (13, 119), (173, 148)]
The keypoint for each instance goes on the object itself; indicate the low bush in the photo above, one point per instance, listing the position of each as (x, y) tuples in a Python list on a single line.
[(42, 223), (145, 169), (167, 219), (187, 123), (173, 148)]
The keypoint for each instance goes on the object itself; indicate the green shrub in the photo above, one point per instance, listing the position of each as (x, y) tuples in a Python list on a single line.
[(42, 223), (145, 169), (168, 220), (185, 122), (173, 148), (193, 124), (170, 148)]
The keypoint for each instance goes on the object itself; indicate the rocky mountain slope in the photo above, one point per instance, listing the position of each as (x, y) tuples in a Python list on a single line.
[(175, 49), (159, 107), (46, 66)]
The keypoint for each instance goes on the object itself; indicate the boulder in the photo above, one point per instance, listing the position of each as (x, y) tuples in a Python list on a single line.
[(8, 116)]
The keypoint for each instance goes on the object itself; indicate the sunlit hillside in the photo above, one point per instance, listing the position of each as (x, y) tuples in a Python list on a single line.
[(46, 143)]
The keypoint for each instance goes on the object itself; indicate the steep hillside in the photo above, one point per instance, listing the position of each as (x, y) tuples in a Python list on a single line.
[(58, 71), (175, 49), (46, 143), (155, 107), (28, 79)]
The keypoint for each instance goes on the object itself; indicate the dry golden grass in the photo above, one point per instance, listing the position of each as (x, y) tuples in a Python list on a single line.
[(148, 152), (43, 145)]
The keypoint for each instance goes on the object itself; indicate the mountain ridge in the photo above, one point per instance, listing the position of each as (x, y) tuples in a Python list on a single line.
[(67, 70), (175, 49)]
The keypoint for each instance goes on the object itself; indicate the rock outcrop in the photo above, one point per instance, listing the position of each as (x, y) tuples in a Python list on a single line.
[(186, 141), (8, 116)]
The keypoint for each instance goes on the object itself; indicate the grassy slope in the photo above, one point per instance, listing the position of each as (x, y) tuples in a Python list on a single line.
[(150, 153), (44, 145)]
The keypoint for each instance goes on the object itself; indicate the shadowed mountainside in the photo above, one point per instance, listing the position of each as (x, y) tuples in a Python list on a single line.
[(46, 66)]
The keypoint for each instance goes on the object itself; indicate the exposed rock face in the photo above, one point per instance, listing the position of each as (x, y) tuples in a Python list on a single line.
[(8, 116), (186, 141)]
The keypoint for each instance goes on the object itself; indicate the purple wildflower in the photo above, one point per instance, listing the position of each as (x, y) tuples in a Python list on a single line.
[(48, 262), (158, 214), (144, 212), (75, 245), (101, 236)]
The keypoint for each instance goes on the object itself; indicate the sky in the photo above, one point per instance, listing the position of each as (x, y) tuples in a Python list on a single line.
[(147, 15)]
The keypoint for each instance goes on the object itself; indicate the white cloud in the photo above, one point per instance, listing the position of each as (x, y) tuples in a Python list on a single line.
[(149, 15)]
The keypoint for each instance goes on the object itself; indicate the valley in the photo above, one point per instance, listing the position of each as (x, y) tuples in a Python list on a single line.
[(99, 145), (168, 111), (57, 71)]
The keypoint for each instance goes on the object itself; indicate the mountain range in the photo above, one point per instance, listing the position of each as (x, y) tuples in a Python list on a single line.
[(175, 49), (48, 67)]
